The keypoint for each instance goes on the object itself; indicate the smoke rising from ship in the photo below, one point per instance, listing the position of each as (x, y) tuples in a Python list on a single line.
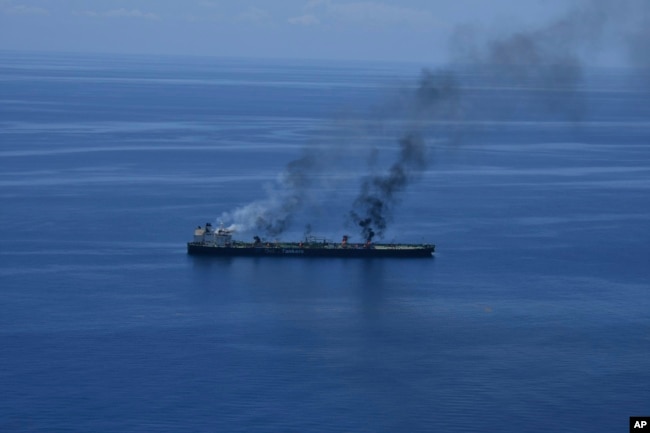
[(436, 95), (288, 194), (378, 194), (547, 61)]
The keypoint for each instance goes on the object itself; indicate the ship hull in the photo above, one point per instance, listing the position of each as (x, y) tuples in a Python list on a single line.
[(382, 251)]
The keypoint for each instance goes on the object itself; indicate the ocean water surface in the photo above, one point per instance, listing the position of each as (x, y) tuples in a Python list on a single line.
[(533, 315)]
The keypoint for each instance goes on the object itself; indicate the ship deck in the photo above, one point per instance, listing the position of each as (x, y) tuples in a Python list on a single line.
[(298, 249), (330, 246)]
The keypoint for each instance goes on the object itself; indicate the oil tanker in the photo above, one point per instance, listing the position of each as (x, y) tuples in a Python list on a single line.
[(219, 242)]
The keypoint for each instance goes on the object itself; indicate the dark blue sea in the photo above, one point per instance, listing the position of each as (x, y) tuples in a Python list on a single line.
[(534, 315)]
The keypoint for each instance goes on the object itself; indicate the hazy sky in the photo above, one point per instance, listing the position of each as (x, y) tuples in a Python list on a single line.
[(411, 30)]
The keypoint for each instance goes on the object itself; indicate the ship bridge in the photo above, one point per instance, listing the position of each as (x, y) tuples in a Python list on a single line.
[(208, 236)]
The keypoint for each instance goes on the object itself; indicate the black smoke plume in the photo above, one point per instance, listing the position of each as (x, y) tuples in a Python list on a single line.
[(378, 195), (435, 98)]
